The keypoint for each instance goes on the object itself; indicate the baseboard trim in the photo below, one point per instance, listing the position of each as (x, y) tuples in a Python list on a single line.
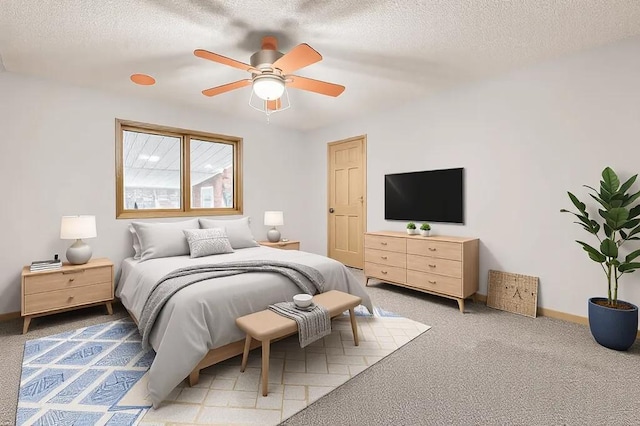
[(549, 313), (9, 316)]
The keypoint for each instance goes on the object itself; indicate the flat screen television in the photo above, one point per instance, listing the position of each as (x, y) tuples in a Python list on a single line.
[(430, 196)]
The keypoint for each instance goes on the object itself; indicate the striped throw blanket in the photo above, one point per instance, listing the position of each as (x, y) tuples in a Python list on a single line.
[(313, 324)]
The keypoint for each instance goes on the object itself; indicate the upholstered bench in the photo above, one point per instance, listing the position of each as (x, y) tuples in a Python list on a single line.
[(266, 326)]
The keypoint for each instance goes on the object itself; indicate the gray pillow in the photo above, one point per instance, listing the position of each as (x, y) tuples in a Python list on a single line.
[(205, 242), (238, 231), (136, 242), (163, 239)]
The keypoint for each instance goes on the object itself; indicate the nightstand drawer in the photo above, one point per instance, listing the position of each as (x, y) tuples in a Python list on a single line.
[(452, 268), (433, 282), (66, 298), (385, 243), (385, 257), (441, 249), (60, 280), (385, 273)]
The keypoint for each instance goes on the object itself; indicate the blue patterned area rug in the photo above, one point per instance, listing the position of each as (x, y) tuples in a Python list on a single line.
[(78, 377)]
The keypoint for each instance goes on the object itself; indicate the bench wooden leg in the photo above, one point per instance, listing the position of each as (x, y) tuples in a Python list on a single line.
[(265, 366), (354, 326), (194, 377), (461, 305), (25, 324), (245, 354)]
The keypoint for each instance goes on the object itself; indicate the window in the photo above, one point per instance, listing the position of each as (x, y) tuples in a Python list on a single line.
[(154, 165)]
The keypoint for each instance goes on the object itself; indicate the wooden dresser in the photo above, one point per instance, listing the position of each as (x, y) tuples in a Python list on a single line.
[(70, 287), (444, 266)]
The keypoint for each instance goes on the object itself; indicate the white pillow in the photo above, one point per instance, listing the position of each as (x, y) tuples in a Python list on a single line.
[(136, 242), (163, 239), (238, 231), (205, 242)]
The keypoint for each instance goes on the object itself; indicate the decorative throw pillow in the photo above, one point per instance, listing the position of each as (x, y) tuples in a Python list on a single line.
[(136, 242), (205, 242), (163, 239), (238, 231)]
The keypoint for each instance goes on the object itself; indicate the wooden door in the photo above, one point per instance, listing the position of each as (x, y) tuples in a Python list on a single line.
[(347, 193)]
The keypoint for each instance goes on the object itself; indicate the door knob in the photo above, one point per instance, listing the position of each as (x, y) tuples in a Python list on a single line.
[(331, 210)]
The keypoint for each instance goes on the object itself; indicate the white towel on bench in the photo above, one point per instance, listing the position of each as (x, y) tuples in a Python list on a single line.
[(313, 324)]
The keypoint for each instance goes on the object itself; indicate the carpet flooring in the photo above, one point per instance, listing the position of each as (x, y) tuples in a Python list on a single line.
[(483, 367)]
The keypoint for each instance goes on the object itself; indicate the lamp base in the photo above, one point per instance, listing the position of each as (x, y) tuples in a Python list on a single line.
[(79, 253), (273, 235)]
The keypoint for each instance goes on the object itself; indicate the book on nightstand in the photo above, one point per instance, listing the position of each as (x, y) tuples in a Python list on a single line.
[(46, 265)]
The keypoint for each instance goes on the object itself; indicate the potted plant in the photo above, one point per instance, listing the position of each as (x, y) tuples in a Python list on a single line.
[(411, 228), (425, 228), (613, 322)]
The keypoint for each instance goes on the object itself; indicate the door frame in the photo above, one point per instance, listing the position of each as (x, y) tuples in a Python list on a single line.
[(364, 187)]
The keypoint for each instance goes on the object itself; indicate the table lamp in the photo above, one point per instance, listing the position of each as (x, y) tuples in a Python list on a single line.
[(272, 218), (77, 228)]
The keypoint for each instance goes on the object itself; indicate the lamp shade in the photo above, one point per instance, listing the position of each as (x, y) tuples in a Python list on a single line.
[(77, 227), (268, 87), (272, 218)]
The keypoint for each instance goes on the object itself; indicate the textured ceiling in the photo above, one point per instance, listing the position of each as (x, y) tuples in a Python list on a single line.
[(384, 52)]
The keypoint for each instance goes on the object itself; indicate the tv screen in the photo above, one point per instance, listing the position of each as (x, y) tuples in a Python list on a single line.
[(430, 196)]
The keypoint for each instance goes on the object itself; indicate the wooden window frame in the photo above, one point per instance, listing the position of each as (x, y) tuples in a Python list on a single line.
[(185, 172)]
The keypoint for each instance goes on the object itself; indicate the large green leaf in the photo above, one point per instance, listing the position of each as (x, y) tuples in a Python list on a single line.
[(579, 204), (607, 230), (631, 224), (625, 186), (610, 180), (634, 212), (585, 221), (628, 267), (616, 217), (609, 248), (604, 194), (623, 234), (632, 256), (631, 198), (635, 231), (594, 254), (601, 201)]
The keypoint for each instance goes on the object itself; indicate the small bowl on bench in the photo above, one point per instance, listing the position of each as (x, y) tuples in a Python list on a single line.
[(302, 300)]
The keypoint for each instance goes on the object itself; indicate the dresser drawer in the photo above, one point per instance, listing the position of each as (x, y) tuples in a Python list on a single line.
[(441, 249), (382, 242), (437, 283), (60, 280), (383, 257), (66, 298), (385, 273), (452, 268)]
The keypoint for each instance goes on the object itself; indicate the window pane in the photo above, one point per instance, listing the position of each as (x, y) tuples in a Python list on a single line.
[(211, 174), (151, 171)]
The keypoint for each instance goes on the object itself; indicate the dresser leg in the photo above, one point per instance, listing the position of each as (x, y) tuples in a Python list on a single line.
[(25, 325), (366, 283), (109, 308), (461, 305)]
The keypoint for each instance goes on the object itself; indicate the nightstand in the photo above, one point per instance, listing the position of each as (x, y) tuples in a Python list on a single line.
[(284, 245), (70, 287)]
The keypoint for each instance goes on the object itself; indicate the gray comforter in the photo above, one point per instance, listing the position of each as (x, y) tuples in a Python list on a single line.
[(202, 316), (175, 281)]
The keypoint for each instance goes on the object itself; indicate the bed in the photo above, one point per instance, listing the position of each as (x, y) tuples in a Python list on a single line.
[(196, 328)]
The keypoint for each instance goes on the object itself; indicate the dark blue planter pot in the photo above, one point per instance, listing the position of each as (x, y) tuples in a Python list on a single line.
[(613, 328)]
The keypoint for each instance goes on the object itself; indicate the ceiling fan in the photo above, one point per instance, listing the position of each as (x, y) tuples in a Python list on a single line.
[(271, 72)]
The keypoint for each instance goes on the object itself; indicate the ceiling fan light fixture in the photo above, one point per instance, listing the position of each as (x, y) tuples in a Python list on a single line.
[(268, 87)]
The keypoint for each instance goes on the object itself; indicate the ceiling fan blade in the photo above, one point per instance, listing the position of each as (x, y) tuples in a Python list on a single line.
[(274, 105), (299, 57), (205, 54), (316, 86), (226, 87)]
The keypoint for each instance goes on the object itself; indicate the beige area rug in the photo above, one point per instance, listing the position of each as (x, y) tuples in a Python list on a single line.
[(297, 377)]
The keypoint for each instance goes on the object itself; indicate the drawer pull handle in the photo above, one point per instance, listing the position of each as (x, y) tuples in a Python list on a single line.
[(432, 282), (432, 249), (70, 298), (432, 266), (77, 271), (384, 257), (384, 244), (384, 272), (71, 279)]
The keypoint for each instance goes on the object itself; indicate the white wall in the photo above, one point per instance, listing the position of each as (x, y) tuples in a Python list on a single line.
[(524, 140), (57, 157)]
